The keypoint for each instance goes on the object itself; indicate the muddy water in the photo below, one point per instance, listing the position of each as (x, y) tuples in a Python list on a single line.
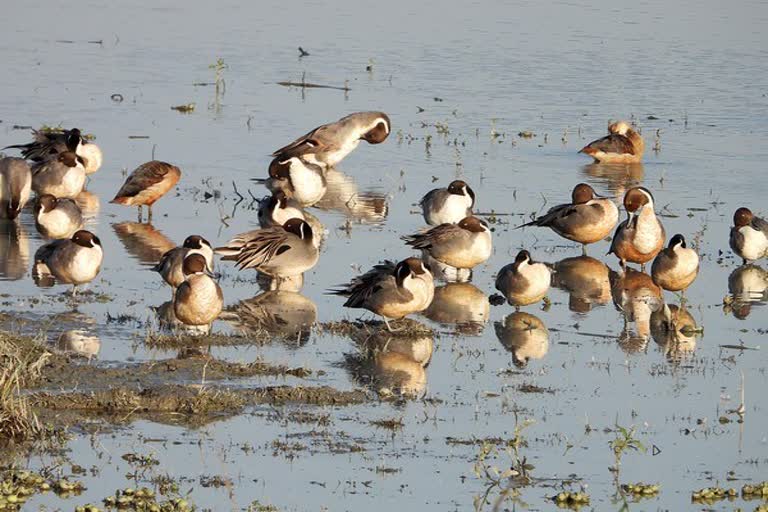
[(692, 76)]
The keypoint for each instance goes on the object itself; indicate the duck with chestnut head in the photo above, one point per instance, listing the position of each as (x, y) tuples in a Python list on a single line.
[(330, 143), (587, 219), (448, 205), (622, 145), (749, 235), (74, 261), (641, 236)]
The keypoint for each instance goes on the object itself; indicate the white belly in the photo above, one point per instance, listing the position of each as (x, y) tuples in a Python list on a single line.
[(755, 243)]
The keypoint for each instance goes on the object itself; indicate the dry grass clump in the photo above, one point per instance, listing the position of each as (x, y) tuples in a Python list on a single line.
[(21, 362)]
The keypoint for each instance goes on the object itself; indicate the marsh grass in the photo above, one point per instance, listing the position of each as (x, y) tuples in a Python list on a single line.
[(21, 362)]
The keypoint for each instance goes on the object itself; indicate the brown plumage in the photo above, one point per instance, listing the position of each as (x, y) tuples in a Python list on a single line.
[(146, 184), (622, 145)]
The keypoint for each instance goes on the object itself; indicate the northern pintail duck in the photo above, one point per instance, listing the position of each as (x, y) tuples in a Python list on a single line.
[(171, 264), (676, 267), (61, 176), (72, 261), (585, 279), (277, 209), (622, 145), (749, 235), (523, 282), (15, 186), (57, 218), (281, 251), (49, 143), (328, 144), (146, 184), (198, 300), (641, 236), (391, 291), (448, 205), (299, 180), (589, 218), (462, 245), (524, 335)]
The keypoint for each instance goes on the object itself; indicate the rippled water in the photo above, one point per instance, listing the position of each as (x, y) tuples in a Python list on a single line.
[(693, 76)]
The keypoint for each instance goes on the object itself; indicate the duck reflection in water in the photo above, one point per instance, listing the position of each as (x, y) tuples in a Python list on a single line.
[(747, 286), (637, 297), (393, 364), (284, 314), (524, 335), (14, 250), (143, 241), (585, 280), (674, 329), (79, 342), (461, 304), (344, 196), (617, 178)]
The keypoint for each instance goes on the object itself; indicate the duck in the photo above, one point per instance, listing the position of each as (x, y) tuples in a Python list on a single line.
[(641, 236), (587, 219), (48, 143), (146, 184), (170, 266), (278, 208), (676, 267), (749, 235), (622, 145), (392, 291), (524, 335), (464, 245), (74, 261), (523, 282), (281, 251), (63, 175), (199, 299), (57, 218), (302, 181), (448, 205), (15, 186), (585, 279), (329, 144)]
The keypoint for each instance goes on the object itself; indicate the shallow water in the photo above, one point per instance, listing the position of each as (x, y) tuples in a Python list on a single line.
[(694, 74)]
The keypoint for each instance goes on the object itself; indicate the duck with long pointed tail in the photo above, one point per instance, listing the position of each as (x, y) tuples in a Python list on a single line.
[(330, 143), (587, 219), (391, 291)]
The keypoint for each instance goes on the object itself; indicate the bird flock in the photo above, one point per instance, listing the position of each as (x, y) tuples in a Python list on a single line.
[(56, 163)]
